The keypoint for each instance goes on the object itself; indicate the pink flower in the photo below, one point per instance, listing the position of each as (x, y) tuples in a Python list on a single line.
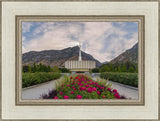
[(102, 87), (116, 95), (72, 92), (66, 97), (74, 88), (68, 85), (61, 93), (83, 88), (109, 89), (126, 77), (79, 97), (80, 88), (55, 97), (87, 85), (103, 96), (98, 92), (89, 90), (62, 85), (98, 86), (94, 89), (85, 81), (114, 90), (81, 84)]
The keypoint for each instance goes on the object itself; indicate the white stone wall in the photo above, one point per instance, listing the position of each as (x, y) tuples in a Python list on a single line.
[(80, 64)]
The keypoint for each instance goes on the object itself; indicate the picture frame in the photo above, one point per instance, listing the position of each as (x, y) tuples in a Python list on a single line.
[(10, 9), (20, 19)]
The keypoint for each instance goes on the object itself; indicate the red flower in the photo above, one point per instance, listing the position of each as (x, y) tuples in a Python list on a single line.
[(80, 88), (55, 97), (89, 90), (87, 85), (68, 85), (94, 89), (103, 96), (114, 90), (81, 84), (98, 92), (71, 77), (74, 88), (79, 97), (61, 93), (98, 86), (83, 88), (72, 92), (62, 85), (116, 95), (109, 89), (102, 87), (66, 97)]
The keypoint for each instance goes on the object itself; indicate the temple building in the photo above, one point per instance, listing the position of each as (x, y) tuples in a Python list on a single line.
[(76, 66)]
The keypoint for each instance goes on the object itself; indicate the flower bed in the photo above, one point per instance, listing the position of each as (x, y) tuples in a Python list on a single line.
[(82, 87)]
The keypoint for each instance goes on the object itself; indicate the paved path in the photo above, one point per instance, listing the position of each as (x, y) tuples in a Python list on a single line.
[(124, 90), (36, 91)]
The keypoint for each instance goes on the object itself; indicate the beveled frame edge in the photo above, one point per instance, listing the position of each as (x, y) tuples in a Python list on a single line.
[(135, 18), (79, 0)]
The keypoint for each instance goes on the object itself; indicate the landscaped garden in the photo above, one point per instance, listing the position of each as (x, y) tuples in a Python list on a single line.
[(29, 79), (130, 79), (82, 87)]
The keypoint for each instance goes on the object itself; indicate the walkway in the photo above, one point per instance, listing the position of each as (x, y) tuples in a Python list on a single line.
[(35, 92)]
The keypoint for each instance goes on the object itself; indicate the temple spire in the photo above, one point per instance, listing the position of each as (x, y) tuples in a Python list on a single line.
[(80, 56)]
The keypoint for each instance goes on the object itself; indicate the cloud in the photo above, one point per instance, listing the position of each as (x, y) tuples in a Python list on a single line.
[(26, 27), (103, 40)]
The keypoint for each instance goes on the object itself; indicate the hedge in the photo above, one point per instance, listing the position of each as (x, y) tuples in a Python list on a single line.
[(130, 79), (29, 79)]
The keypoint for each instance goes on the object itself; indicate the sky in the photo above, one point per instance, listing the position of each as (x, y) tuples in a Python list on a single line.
[(103, 40)]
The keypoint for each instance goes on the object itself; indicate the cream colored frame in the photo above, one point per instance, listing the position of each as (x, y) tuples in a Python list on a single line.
[(150, 112), (138, 19)]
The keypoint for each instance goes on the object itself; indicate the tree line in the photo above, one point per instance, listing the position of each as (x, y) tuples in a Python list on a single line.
[(117, 67), (43, 68)]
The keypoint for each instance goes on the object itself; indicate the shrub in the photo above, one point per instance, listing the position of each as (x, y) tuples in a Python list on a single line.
[(95, 70), (29, 79), (130, 79)]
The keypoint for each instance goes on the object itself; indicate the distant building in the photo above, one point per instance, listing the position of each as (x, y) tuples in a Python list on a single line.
[(80, 65)]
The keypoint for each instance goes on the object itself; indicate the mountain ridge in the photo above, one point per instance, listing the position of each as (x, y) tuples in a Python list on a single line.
[(55, 57), (130, 55)]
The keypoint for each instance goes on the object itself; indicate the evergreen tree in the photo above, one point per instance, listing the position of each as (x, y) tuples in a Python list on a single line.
[(29, 68), (34, 68), (123, 68), (131, 69)]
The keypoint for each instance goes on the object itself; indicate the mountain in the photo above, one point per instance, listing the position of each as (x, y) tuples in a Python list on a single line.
[(55, 57), (105, 62), (129, 55)]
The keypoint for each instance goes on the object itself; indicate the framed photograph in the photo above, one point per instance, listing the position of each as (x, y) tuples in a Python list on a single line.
[(87, 60)]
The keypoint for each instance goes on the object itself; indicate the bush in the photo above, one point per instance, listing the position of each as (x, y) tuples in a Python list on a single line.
[(95, 70), (130, 79), (29, 79), (82, 87)]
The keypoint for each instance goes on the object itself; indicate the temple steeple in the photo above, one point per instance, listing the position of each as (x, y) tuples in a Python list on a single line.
[(80, 48)]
